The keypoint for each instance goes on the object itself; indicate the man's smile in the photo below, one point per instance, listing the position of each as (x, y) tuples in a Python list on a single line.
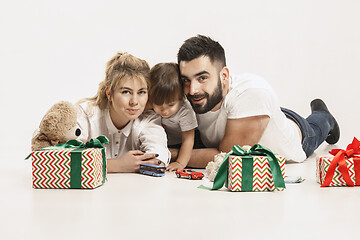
[(197, 98)]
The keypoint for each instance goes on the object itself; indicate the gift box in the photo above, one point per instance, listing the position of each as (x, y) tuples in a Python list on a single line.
[(341, 169), (70, 165), (256, 169), (252, 173)]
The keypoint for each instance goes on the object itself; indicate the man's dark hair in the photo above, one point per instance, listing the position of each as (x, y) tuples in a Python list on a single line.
[(201, 46)]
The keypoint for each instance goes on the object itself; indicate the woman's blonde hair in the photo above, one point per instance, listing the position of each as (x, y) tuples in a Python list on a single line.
[(120, 67)]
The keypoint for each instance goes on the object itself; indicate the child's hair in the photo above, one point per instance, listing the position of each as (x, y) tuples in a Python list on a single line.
[(120, 67), (166, 86)]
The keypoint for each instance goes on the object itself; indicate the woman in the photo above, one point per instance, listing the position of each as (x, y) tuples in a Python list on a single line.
[(117, 111)]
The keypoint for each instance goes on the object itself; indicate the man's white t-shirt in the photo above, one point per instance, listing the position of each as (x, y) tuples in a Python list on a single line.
[(183, 120), (250, 95)]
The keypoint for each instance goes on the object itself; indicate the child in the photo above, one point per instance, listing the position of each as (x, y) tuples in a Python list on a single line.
[(177, 116), (117, 112)]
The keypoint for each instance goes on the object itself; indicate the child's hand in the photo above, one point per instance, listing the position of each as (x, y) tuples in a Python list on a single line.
[(175, 166)]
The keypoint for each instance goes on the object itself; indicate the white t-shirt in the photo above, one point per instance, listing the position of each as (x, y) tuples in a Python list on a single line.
[(144, 133), (250, 95), (183, 120)]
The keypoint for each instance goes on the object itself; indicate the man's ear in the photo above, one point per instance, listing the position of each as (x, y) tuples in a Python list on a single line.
[(224, 76)]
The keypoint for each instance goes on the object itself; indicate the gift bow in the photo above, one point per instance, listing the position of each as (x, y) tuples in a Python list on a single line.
[(340, 157), (221, 177), (93, 143)]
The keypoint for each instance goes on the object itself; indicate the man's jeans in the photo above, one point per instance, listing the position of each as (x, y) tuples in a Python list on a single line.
[(314, 129)]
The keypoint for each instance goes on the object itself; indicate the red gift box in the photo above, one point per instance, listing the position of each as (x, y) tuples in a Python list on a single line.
[(341, 170)]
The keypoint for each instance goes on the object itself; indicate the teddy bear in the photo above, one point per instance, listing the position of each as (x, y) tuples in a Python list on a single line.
[(212, 167), (57, 126)]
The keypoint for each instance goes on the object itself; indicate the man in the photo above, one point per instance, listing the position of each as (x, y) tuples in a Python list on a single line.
[(244, 110)]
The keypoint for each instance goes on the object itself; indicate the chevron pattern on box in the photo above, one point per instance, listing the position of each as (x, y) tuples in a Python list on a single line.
[(91, 171), (318, 170), (235, 173), (262, 177), (322, 165), (51, 168)]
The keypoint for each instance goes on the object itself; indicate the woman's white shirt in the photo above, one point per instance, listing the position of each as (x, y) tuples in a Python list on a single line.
[(144, 133)]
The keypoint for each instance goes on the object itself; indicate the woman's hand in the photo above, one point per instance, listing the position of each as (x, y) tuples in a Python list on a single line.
[(130, 161), (175, 166)]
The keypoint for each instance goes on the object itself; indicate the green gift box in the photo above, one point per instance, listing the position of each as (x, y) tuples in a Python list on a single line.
[(257, 169), (252, 173), (70, 165)]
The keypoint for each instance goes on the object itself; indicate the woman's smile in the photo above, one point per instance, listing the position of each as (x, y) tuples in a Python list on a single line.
[(133, 110)]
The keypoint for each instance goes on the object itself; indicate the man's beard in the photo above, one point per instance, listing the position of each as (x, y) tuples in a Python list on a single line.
[(211, 101)]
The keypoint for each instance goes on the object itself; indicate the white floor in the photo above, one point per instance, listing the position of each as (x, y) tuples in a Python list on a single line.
[(134, 206)]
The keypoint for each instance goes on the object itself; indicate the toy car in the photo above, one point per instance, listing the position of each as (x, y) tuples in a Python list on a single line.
[(189, 173), (152, 170)]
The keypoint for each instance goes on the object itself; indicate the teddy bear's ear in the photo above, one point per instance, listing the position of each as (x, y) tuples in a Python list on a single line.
[(50, 122), (54, 142), (42, 137)]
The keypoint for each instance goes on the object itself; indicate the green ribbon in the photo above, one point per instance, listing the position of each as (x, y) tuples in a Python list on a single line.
[(75, 164), (221, 177), (93, 143)]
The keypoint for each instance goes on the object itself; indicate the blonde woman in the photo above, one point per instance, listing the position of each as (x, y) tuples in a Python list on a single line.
[(117, 111)]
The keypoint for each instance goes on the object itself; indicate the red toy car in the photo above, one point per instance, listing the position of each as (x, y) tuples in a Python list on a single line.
[(189, 173)]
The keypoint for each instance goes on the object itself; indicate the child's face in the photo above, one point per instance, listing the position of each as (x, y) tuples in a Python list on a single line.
[(128, 100), (166, 110)]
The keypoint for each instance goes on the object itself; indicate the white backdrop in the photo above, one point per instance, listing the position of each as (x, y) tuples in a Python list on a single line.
[(57, 50)]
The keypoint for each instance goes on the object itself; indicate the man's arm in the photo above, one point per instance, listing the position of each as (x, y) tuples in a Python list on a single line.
[(199, 157), (243, 131)]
